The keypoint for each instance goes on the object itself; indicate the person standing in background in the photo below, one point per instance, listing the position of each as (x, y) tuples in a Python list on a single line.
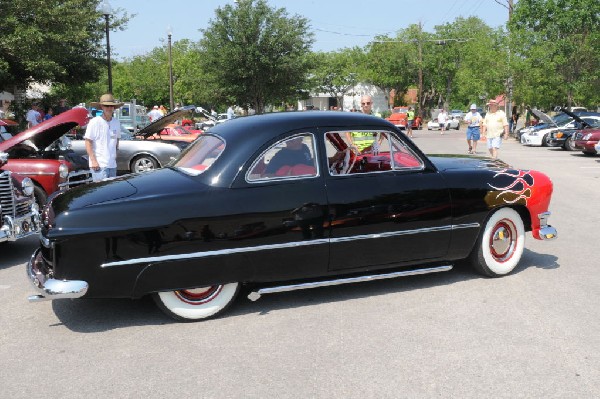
[(33, 116), (102, 139), (62, 107), (410, 118), (495, 127), (473, 120), (442, 118), (366, 104)]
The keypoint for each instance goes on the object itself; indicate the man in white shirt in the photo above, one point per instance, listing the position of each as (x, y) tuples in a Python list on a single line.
[(33, 116), (155, 114), (442, 118), (473, 120), (102, 139)]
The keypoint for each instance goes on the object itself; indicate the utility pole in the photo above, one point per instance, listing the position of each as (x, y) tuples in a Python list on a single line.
[(420, 55)]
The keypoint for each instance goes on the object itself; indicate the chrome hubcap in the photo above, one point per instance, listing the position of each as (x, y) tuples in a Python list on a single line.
[(502, 241)]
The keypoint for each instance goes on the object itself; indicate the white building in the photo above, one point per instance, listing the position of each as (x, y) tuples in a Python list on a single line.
[(324, 101)]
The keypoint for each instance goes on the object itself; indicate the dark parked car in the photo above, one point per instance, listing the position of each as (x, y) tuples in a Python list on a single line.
[(40, 154), (19, 213), (285, 201)]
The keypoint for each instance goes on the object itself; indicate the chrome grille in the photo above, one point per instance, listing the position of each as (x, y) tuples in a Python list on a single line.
[(6, 194)]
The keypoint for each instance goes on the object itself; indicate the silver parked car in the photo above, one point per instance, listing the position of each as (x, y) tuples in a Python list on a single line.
[(138, 155)]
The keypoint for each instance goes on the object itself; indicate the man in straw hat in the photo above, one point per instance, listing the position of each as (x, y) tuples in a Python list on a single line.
[(495, 126), (102, 139)]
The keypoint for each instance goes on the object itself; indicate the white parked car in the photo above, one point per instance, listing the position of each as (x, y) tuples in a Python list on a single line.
[(452, 123)]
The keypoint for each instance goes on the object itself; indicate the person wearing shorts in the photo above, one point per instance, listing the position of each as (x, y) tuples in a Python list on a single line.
[(495, 126), (473, 120)]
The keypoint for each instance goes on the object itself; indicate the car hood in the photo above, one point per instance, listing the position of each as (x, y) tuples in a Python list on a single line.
[(451, 161), (50, 130), (160, 124), (577, 118), (543, 117)]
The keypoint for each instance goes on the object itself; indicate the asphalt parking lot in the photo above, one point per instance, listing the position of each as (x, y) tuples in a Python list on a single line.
[(531, 334)]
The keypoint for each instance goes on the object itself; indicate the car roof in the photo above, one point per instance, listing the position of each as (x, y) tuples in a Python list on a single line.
[(246, 135)]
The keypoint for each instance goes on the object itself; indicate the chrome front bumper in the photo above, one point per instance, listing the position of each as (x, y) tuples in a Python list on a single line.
[(50, 288), (546, 232), (12, 229)]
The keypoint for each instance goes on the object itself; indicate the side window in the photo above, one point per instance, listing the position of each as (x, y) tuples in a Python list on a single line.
[(368, 152), (404, 157), (358, 152), (292, 157)]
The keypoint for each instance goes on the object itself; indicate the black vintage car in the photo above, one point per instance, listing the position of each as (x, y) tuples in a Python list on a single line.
[(280, 202)]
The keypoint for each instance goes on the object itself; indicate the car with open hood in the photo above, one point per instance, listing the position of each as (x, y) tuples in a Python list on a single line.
[(166, 129), (19, 213), (564, 137), (281, 202), (540, 135), (40, 154), (135, 154)]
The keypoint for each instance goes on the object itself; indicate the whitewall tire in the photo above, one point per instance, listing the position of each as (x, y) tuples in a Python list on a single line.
[(500, 245), (198, 303)]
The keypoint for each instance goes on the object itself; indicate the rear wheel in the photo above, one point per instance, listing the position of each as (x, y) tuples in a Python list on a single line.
[(500, 245), (198, 303), (143, 163)]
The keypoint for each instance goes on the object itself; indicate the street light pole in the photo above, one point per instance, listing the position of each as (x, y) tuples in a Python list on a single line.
[(107, 10), (171, 103)]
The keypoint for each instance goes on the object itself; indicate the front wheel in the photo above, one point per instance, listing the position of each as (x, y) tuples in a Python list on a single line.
[(143, 163), (570, 144), (198, 303), (500, 245)]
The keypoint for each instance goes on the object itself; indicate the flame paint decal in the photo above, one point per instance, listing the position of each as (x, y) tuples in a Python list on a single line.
[(513, 185)]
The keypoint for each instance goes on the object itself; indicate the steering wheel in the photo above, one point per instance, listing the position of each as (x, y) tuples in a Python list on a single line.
[(343, 165)]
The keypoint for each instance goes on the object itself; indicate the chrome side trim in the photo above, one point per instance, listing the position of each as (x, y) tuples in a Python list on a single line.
[(295, 244), (255, 295)]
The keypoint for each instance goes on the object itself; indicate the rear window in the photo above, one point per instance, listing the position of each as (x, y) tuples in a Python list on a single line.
[(200, 155)]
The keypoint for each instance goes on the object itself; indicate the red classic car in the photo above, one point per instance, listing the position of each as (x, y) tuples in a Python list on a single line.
[(399, 117), (167, 128), (36, 153), (586, 140)]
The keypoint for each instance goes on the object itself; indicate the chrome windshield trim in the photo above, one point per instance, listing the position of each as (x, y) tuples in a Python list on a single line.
[(295, 244)]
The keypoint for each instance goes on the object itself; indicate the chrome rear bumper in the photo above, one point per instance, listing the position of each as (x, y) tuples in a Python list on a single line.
[(50, 288), (546, 232)]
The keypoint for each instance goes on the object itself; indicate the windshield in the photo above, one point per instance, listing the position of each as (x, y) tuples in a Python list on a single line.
[(561, 118), (199, 156)]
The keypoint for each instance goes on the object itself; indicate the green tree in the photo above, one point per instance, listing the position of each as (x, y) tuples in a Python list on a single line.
[(337, 72), (556, 51), (52, 41), (256, 55)]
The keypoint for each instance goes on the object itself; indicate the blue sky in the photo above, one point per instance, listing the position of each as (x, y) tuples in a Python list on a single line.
[(335, 23)]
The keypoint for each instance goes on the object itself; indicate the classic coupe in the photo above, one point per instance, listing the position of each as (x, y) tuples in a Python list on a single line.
[(281, 202)]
